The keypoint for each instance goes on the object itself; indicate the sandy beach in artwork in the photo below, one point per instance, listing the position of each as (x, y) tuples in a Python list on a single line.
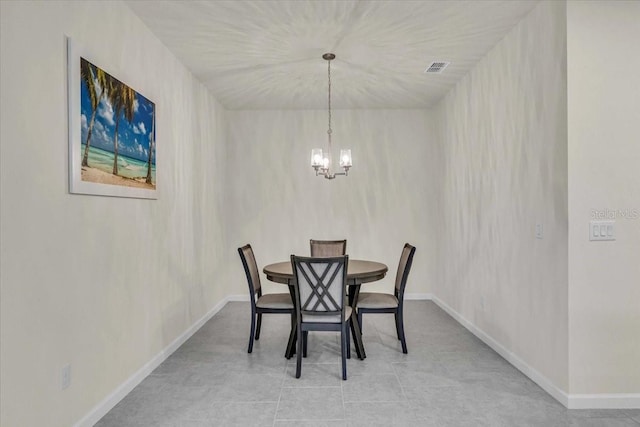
[(101, 177)]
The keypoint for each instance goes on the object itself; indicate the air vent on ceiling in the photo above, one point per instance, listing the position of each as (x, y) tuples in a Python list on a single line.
[(436, 67)]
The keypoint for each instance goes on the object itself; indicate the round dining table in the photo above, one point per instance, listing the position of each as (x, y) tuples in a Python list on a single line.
[(358, 273)]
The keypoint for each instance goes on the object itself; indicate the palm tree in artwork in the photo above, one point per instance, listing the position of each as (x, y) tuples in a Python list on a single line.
[(152, 142), (91, 75), (122, 99)]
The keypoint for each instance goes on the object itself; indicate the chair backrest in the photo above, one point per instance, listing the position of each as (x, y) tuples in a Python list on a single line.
[(404, 266), (320, 284), (330, 248), (251, 270)]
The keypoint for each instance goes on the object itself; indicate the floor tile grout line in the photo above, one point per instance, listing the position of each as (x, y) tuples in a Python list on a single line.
[(284, 378), (386, 359), (395, 373), (344, 408)]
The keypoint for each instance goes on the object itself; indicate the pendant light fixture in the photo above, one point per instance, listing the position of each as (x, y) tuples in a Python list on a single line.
[(321, 160)]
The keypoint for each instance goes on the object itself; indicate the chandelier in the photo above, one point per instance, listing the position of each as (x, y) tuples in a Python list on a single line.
[(321, 160)]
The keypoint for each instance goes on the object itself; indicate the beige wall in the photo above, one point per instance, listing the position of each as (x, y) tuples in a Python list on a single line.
[(604, 156), (104, 284), (504, 153), (277, 204)]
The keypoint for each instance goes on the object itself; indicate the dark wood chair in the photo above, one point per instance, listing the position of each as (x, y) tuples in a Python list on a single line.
[(372, 302), (320, 286), (268, 303), (321, 248)]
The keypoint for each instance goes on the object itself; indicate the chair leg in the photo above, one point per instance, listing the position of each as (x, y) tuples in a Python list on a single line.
[(357, 338), (258, 326), (305, 337), (291, 345), (349, 341), (299, 352), (343, 350), (253, 322), (400, 323), (395, 315), (360, 321)]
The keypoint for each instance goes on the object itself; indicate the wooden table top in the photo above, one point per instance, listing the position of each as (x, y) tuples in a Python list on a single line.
[(358, 271)]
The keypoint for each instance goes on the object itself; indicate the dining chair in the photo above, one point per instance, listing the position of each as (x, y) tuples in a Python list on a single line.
[(321, 248), (267, 303), (373, 302), (320, 286)]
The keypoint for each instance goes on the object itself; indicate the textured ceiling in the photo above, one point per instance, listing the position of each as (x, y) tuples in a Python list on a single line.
[(268, 54)]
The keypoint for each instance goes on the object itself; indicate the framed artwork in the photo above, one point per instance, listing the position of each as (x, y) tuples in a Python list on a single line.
[(112, 141)]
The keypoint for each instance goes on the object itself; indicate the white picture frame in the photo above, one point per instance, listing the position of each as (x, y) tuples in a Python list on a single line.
[(93, 121)]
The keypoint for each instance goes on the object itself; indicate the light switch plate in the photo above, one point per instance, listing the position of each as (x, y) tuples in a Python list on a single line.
[(539, 231), (602, 230)]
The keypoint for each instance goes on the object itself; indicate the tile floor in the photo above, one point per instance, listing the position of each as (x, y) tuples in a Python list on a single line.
[(449, 378)]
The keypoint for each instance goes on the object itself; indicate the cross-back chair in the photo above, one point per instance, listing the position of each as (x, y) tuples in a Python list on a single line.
[(320, 285)]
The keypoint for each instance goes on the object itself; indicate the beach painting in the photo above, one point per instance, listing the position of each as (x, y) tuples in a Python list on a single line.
[(112, 143)]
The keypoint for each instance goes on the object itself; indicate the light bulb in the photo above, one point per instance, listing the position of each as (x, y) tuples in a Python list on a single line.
[(345, 158), (316, 157)]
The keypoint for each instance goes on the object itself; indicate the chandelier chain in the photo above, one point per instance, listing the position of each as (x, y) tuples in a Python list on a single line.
[(329, 131)]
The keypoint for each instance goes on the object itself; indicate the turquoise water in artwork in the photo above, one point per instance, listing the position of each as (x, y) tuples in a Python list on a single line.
[(127, 167)]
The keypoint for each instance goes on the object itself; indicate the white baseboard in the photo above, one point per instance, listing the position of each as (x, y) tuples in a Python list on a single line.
[(574, 401), (510, 357), (125, 388), (605, 401), (407, 296), (571, 401), (101, 409)]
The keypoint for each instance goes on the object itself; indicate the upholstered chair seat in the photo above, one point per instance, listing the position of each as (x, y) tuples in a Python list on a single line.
[(275, 301), (375, 300)]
